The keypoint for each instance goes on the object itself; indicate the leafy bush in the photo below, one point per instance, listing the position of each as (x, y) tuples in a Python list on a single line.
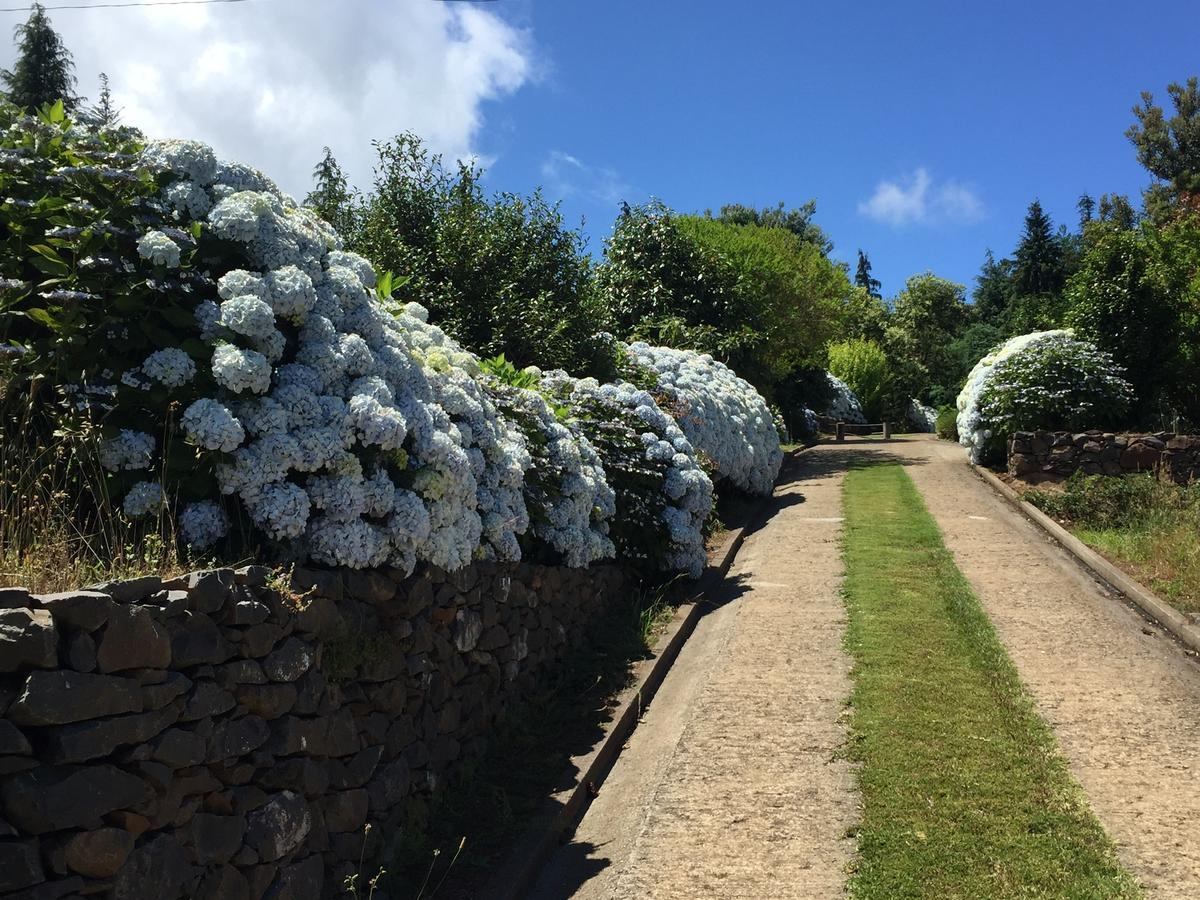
[(863, 366), (947, 423), (502, 276), (1105, 501), (1047, 379), (246, 373), (843, 403), (760, 299)]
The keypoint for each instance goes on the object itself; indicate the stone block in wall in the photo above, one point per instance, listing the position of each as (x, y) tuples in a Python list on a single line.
[(55, 798), (279, 826), (28, 638)]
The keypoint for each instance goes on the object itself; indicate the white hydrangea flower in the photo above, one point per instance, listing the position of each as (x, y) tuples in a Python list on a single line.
[(241, 370), (212, 426), (186, 159), (144, 497), (280, 509), (844, 406), (202, 524), (171, 367), (159, 249), (129, 450), (248, 315)]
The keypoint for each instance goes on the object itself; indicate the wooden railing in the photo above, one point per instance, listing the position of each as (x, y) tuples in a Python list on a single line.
[(840, 429)]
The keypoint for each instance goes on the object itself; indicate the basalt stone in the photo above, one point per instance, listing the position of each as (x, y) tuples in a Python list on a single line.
[(12, 740), (131, 590), (252, 576), (132, 640), (238, 737), (99, 853), (267, 700), (215, 839), (300, 774), (28, 639), (81, 652), (82, 741), (369, 586), (224, 883), (345, 811), (468, 627), (157, 870), (248, 612), (304, 880), (207, 592), (242, 671), (63, 889), (325, 736), (389, 786), (259, 640), (260, 878), (85, 610), (16, 597), (289, 662), (317, 582), (207, 699), (279, 826), (196, 640), (173, 685), (179, 748), (62, 697), (319, 616), (54, 798), (357, 771), (20, 865)]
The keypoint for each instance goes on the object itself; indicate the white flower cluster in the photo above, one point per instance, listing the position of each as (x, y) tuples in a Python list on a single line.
[(687, 492), (973, 432), (159, 249), (362, 435), (921, 417), (844, 405), (722, 414)]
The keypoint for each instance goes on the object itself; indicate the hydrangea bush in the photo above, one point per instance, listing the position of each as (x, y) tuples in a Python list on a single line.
[(253, 377), (844, 405), (721, 414), (1046, 379), (922, 418)]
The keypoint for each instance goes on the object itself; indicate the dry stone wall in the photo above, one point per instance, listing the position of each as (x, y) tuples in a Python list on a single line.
[(1060, 454), (214, 736)]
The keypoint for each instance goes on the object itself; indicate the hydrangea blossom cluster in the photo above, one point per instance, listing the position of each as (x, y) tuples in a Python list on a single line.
[(353, 432), (721, 414), (921, 417), (642, 445), (844, 405), (1047, 379)]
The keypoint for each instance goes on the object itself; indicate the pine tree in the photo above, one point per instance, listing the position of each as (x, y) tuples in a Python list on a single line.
[(1170, 148), (44, 71), (993, 290), (331, 197), (1039, 257), (863, 278), (1087, 208), (104, 114)]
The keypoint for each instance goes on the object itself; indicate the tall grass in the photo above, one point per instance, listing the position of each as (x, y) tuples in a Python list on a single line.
[(1147, 526), (59, 525)]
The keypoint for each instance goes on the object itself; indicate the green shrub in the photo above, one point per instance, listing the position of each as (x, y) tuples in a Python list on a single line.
[(947, 423), (1105, 501), (864, 367)]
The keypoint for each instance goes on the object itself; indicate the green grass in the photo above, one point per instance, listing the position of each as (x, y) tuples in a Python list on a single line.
[(964, 792)]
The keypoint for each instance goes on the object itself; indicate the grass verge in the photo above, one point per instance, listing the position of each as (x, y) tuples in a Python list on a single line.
[(964, 792), (1141, 524)]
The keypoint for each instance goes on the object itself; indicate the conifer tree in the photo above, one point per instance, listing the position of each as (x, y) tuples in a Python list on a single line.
[(331, 197), (104, 114), (1039, 256), (863, 278), (1087, 209), (44, 70)]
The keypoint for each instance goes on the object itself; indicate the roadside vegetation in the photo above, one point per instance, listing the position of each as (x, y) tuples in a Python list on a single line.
[(964, 791), (1146, 526)]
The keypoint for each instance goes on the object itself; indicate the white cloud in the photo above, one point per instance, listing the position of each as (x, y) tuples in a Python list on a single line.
[(567, 175), (271, 83), (917, 199)]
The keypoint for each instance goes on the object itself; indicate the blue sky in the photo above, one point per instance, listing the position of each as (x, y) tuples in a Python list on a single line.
[(705, 103), (923, 130)]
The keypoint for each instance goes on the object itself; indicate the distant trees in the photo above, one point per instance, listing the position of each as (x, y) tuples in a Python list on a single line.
[(798, 221), (44, 71), (1169, 148)]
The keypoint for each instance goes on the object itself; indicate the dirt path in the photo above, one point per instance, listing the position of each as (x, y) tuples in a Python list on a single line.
[(731, 787), (1123, 699)]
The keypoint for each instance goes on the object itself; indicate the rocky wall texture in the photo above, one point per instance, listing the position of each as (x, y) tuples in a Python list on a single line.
[(1061, 454), (223, 735)]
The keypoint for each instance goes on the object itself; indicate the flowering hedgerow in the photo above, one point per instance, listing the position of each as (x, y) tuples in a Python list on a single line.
[(722, 415), (248, 374), (1046, 379), (844, 406), (923, 418)]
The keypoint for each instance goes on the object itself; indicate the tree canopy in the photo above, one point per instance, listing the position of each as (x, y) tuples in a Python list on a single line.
[(44, 71)]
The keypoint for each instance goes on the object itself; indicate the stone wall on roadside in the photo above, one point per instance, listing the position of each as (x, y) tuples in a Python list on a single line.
[(224, 735), (1059, 454)]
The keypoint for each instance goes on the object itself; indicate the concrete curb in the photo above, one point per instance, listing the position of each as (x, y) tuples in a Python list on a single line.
[(1150, 604), (563, 810)]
